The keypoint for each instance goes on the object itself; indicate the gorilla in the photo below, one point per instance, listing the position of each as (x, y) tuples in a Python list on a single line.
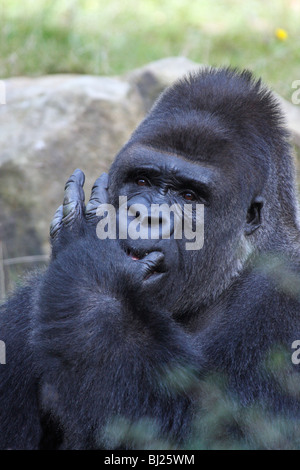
[(112, 346)]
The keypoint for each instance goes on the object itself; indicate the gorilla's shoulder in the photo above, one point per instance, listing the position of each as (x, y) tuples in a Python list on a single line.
[(266, 298)]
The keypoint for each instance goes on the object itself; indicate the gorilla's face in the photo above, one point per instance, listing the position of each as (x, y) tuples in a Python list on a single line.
[(188, 275)]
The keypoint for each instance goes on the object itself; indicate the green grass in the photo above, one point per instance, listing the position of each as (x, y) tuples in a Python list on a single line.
[(110, 37)]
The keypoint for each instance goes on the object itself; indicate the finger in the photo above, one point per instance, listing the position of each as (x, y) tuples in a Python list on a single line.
[(56, 223), (73, 205), (98, 196), (150, 263)]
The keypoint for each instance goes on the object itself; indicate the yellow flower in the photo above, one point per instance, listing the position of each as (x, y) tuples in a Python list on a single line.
[(281, 34)]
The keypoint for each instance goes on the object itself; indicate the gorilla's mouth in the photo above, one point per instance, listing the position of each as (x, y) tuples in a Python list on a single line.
[(135, 255), (139, 254)]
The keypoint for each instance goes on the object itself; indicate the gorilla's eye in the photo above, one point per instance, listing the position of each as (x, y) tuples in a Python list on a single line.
[(189, 196), (142, 182)]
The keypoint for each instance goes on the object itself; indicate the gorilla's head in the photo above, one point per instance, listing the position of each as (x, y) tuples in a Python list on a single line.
[(215, 138)]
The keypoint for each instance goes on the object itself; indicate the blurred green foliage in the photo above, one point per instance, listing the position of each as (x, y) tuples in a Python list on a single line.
[(221, 422), (115, 36)]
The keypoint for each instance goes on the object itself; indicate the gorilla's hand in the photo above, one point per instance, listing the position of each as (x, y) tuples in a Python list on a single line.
[(73, 219)]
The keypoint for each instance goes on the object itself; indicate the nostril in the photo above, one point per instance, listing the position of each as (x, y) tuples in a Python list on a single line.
[(154, 220)]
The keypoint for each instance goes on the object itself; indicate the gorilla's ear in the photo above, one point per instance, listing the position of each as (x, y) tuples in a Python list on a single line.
[(253, 220)]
